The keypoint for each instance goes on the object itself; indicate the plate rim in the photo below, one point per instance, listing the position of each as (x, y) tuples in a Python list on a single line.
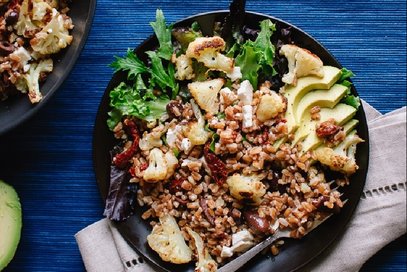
[(362, 119)]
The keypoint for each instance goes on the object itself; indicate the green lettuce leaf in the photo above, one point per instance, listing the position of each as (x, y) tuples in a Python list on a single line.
[(127, 100), (160, 76), (256, 56), (130, 63), (163, 34)]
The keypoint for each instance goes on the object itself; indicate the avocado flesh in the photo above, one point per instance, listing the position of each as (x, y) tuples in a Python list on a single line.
[(10, 223), (322, 98), (304, 85), (341, 113)]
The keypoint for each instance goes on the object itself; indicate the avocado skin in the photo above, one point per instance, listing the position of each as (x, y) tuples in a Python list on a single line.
[(10, 223)]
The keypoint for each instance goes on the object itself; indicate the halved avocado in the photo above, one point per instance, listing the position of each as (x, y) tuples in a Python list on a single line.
[(322, 98), (304, 85), (10, 223), (341, 113)]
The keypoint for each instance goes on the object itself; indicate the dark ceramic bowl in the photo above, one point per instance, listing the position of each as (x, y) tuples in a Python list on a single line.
[(17, 109), (295, 253)]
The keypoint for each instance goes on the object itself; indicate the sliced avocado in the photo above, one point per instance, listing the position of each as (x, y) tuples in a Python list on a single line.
[(341, 113), (322, 98), (304, 85), (350, 125), (10, 223)]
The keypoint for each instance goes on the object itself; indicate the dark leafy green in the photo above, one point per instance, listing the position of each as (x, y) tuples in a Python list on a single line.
[(160, 76), (121, 198)]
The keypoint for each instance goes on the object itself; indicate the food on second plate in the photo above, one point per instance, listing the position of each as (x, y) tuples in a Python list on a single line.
[(223, 145), (31, 32), (10, 223)]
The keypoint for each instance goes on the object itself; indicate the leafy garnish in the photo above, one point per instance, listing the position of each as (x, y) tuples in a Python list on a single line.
[(121, 198), (349, 98), (215, 138), (160, 76), (163, 34), (130, 63), (257, 57), (127, 100)]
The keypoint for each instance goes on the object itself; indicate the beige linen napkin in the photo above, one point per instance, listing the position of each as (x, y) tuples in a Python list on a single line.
[(379, 218)]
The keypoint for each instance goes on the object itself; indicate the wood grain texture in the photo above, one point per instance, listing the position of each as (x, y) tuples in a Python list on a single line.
[(49, 158)]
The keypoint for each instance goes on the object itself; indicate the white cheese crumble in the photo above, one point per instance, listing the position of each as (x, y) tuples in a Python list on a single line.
[(245, 92), (186, 145), (241, 241), (247, 116), (235, 74)]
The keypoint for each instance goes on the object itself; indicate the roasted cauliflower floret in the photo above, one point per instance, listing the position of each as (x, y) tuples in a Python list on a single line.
[(54, 36), (183, 67), (246, 187), (342, 157), (205, 262), (157, 166), (40, 9), (166, 239), (207, 50), (270, 106), (25, 26), (152, 139), (160, 166), (22, 56), (301, 62), (195, 131), (30, 80), (206, 94)]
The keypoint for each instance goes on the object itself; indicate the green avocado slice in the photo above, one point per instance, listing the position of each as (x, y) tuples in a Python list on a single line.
[(341, 113), (10, 223), (304, 85), (322, 98)]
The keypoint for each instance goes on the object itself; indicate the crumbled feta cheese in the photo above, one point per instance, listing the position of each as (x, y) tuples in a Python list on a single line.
[(235, 74), (243, 235), (241, 241), (247, 116), (171, 135), (186, 145), (245, 92)]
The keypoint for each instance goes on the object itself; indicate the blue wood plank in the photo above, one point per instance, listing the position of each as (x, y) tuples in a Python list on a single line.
[(49, 160)]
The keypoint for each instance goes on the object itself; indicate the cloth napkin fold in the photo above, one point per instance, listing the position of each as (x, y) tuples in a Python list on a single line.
[(379, 218)]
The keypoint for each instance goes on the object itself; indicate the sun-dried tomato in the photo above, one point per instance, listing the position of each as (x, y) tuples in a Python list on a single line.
[(121, 160), (216, 165), (327, 129)]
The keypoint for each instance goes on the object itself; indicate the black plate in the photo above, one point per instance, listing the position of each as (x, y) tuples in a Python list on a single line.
[(17, 109), (295, 253)]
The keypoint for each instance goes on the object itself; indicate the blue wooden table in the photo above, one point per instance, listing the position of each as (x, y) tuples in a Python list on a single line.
[(49, 158)]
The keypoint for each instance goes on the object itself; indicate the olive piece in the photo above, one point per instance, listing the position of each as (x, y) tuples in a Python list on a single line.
[(6, 48), (12, 18), (256, 222)]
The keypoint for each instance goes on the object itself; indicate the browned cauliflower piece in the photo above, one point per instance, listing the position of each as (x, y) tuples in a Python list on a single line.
[(342, 157), (207, 50), (30, 80), (205, 94), (183, 67), (301, 62), (25, 25), (205, 262), (54, 36), (247, 187), (270, 106), (195, 131), (157, 166), (166, 239), (172, 163)]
